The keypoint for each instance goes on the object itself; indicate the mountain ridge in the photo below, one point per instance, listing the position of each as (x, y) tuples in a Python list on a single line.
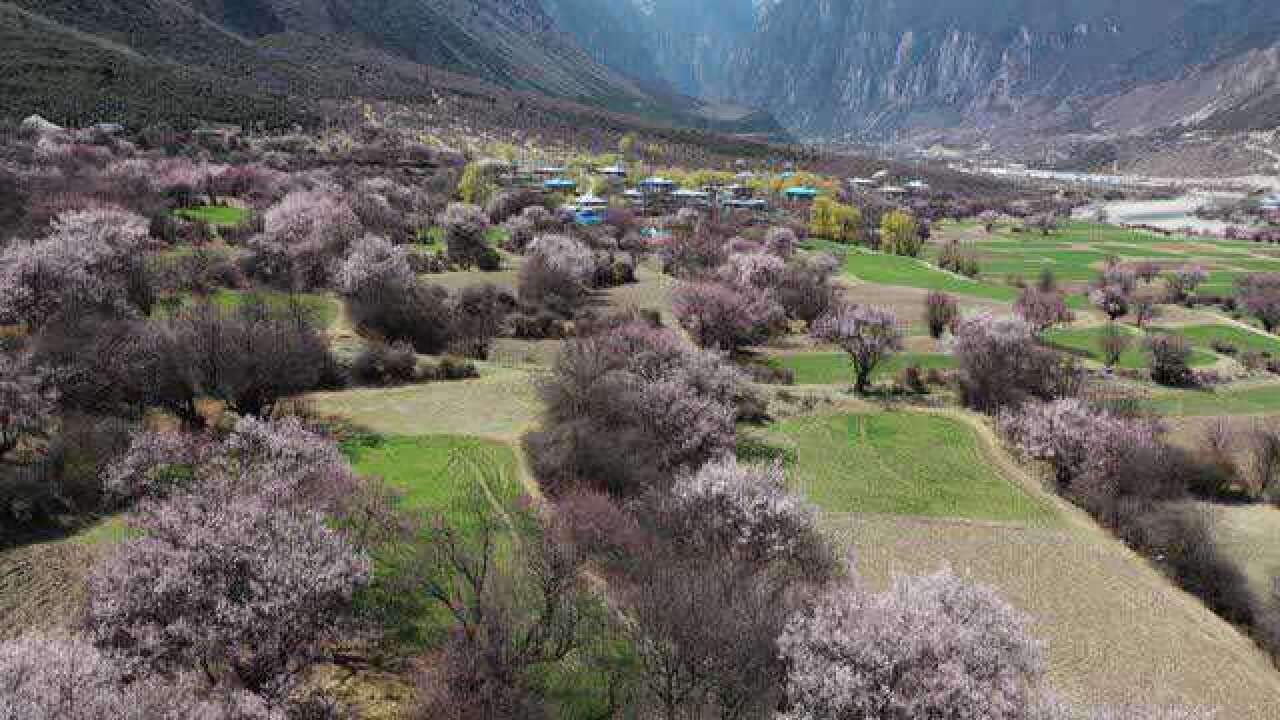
[(258, 60)]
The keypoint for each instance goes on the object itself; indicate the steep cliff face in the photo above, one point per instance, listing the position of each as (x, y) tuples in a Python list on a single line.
[(689, 46), (873, 67), (866, 66)]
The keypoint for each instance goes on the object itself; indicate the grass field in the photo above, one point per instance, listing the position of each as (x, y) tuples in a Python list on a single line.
[(1205, 335), (216, 215), (1084, 342), (459, 479), (882, 269), (501, 404), (420, 468), (903, 463), (1252, 399), (324, 308), (836, 369), (1076, 251)]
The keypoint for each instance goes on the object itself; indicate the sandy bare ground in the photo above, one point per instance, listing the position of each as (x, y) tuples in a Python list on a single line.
[(1118, 632)]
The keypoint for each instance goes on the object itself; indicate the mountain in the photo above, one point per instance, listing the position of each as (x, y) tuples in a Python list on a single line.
[(263, 60), (690, 46), (866, 66), (871, 68)]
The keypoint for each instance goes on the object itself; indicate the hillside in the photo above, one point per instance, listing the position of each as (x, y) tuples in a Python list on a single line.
[(238, 60)]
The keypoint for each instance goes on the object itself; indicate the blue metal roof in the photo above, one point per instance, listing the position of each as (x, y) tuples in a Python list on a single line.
[(801, 192)]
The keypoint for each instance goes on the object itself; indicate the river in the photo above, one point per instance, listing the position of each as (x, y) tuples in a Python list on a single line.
[(1172, 214)]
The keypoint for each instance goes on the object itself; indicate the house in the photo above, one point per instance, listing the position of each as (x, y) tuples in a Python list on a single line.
[(614, 171), (1269, 206), (893, 191), (550, 171), (657, 185), (588, 216), (801, 192), (591, 202), (560, 184), (749, 204), (691, 198), (880, 175), (917, 186), (862, 182), (740, 192)]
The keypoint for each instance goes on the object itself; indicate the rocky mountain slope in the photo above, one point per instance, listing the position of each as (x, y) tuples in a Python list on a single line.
[(230, 59), (875, 67), (691, 46)]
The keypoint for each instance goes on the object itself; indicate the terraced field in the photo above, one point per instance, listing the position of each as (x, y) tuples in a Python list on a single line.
[(1083, 341), (882, 269), (1253, 398), (902, 463), (820, 368), (1076, 251), (1117, 631)]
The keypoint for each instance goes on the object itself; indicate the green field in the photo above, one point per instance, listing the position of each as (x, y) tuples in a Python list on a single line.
[(1251, 400), (1075, 252), (419, 467), (323, 308), (462, 480), (882, 269), (217, 215), (836, 368), (903, 463), (1084, 342), (1205, 335)]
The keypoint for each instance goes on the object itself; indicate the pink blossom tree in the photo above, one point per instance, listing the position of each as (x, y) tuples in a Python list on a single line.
[(1183, 280), (466, 234), (89, 262), (374, 265), (869, 336), (934, 646), (303, 238), (566, 255), (746, 509), (723, 316), (1042, 309), (46, 678), (1112, 300), (757, 270), (1147, 271), (632, 406), (237, 572), (1087, 448), (27, 402), (1001, 365), (1260, 297), (940, 312), (781, 241)]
